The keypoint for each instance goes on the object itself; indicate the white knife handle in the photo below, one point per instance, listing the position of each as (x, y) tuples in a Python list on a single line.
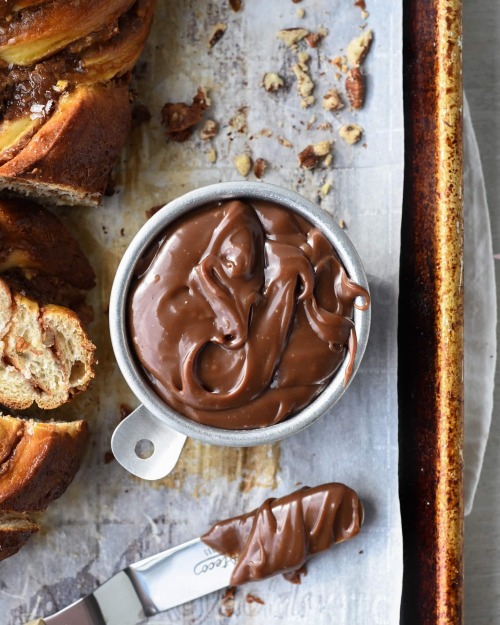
[(145, 446)]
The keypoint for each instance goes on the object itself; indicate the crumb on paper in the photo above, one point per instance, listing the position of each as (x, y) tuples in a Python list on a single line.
[(235, 5), (212, 155), (217, 34), (342, 224), (243, 164), (311, 122), (301, 13), (325, 126), (328, 160), (305, 85), (323, 32), (365, 15), (332, 101), (260, 167), (291, 36), (355, 88), (273, 82), (358, 48), (254, 599), (351, 133), (326, 188), (284, 142), (313, 40), (227, 602), (266, 132), (179, 118), (209, 130), (311, 156), (239, 120)]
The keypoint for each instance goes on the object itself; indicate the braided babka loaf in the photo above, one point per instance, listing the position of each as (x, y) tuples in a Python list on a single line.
[(64, 93), (37, 463), (46, 356)]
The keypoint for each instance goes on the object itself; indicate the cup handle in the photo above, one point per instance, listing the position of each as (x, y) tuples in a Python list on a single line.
[(145, 446)]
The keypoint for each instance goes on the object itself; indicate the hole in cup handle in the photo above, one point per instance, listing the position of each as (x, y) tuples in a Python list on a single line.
[(139, 431)]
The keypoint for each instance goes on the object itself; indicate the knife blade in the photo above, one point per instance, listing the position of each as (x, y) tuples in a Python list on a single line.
[(152, 585)]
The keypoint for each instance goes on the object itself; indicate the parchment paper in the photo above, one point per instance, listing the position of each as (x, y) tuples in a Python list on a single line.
[(107, 518)]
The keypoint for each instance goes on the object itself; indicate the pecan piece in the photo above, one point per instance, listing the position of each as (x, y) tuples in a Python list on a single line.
[(355, 88)]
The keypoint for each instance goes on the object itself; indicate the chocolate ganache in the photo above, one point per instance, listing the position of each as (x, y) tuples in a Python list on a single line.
[(242, 313), (281, 535)]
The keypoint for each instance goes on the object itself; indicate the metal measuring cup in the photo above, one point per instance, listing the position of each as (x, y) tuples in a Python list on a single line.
[(154, 422)]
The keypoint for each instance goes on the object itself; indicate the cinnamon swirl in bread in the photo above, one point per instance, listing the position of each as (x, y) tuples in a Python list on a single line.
[(64, 93)]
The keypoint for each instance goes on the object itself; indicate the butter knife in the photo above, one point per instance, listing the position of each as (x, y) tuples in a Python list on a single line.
[(152, 585)]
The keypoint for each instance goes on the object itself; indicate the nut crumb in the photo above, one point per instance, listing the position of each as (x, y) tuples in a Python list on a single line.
[(217, 34), (266, 132), (284, 142), (272, 82), (328, 160), (325, 189), (310, 156), (235, 5), (358, 48), (342, 224), (179, 118), (332, 100), (355, 88), (313, 40), (305, 85), (301, 13), (212, 155), (291, 36), (365, 15), (311, 122), (324, 126), (259, 168), (322, 148), (243, 164), (239, 120), (351, 133), (209, 130)]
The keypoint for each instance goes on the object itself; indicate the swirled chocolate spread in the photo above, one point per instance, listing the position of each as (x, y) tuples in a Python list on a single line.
[(281, 535), (242, 314)]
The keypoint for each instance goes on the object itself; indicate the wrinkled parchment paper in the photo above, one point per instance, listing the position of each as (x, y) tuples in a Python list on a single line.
[(108, 518)]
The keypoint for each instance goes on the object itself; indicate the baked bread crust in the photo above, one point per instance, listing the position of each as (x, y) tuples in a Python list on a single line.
[(39, 461), (34, 240), (60, 139), (15, 530), (69, 159)]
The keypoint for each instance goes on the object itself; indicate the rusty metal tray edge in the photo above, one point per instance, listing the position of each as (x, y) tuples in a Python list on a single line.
[(431, 316)]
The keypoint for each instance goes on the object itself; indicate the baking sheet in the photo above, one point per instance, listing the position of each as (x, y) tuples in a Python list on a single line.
[(107, 518)]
